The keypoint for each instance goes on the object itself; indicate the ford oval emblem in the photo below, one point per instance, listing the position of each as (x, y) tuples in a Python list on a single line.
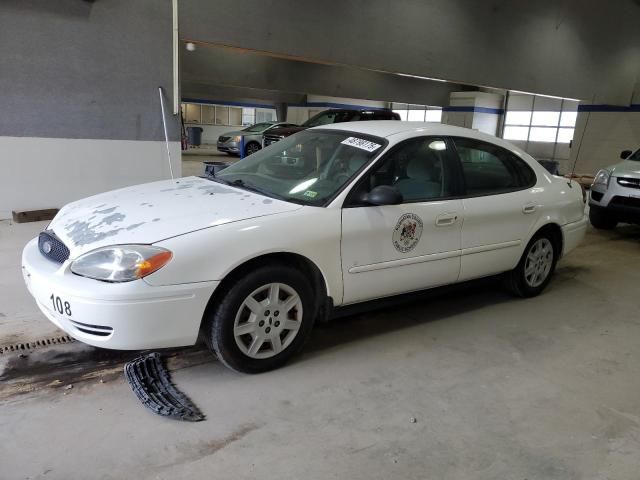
[(46, 247)]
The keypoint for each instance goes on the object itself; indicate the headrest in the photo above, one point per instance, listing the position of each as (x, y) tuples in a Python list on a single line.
[(420, 168)]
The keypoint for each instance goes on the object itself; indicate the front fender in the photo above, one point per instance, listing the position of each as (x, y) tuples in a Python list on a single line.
[(211, 254)]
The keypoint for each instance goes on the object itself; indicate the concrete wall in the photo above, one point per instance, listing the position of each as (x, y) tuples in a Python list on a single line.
[(79, 102), (569, 48), (601, 134), (43, 173)]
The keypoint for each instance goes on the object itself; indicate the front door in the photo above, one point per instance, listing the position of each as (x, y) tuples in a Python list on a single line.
[(393, 249)]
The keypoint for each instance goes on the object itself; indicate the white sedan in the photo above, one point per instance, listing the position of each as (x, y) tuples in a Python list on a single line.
[(325, 218)]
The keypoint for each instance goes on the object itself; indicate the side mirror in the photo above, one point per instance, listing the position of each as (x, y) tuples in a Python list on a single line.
[(625, 154), (383, 195)]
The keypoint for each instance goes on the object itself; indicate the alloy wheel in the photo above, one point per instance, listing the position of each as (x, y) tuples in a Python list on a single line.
[(539, 262), (268, 320)]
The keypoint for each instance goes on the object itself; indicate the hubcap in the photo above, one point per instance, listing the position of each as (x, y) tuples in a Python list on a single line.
[(268, 320), (251, 149), (538, 263)]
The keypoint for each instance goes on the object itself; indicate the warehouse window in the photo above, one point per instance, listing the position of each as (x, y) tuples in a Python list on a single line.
[(192, 113), (248, 116), (265, 115), (533, 118), (208, 114), (418, 113), (226, 115)]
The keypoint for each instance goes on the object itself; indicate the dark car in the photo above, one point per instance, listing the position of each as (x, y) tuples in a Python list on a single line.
[(327, 117)]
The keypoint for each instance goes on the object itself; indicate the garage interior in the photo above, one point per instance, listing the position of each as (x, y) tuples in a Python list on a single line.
[(462, 382)]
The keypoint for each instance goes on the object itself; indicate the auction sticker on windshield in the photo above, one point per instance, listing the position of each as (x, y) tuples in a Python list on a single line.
[(361, 144)]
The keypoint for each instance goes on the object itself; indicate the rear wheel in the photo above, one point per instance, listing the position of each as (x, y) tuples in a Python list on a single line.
[(262, 320), (600, 219), (536, 267)]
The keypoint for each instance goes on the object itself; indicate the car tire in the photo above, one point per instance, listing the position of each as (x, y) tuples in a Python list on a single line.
[(251, 148), (232, 329), (536, 267), (600, 219)]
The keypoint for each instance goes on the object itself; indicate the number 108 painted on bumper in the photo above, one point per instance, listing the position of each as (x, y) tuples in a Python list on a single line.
[(60, 306)]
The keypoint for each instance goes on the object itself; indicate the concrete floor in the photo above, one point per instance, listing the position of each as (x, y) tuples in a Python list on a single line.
[(500, 388)]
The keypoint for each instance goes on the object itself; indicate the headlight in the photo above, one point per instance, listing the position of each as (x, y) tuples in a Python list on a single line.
[(602, 178), (121, 263), (237, 139)]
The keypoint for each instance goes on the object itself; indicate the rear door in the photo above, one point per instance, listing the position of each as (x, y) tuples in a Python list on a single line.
[(393, 249), (500, 207)]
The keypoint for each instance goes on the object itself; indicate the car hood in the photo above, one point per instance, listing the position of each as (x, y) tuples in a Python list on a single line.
[(156, 211), (284, 131), (234, 134), (627, 168)]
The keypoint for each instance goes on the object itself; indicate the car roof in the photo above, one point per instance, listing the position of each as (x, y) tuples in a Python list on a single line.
[(387, 128)]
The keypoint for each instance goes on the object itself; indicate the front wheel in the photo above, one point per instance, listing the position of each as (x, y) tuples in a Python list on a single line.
[(251, 148), (536, 267), (262, 320)]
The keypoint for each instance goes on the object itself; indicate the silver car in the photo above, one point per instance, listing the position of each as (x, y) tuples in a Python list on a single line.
[(615, 193), (230, 142)]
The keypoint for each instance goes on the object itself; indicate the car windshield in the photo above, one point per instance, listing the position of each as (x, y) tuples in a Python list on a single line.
[(635, 156), (329, 116), (307, 168), (258, 127)]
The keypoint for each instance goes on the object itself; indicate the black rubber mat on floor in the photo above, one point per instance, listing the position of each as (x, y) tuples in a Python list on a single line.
[(151, 382)]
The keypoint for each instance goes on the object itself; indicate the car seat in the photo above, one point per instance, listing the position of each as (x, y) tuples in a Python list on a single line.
[(423, 179)]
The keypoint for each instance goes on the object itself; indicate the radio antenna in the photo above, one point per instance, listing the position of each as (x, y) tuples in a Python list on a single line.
[(166, 134)]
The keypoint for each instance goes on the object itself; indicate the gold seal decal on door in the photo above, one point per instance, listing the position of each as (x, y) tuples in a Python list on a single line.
[(407, 233)]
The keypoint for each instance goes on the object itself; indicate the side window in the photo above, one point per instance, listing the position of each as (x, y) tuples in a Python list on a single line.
[(489, 169), (383, 115), (419, 168)]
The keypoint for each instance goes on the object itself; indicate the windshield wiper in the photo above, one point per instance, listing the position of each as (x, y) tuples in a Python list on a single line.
[(249, 186)]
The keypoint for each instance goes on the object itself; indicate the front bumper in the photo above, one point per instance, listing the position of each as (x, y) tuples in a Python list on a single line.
[(228, 147), (124, 316), (618, 200)]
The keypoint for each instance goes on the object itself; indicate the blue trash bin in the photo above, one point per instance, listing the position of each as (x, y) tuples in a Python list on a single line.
[(195, 135)]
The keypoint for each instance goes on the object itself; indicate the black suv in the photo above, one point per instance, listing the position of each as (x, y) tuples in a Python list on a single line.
[(327, 117)]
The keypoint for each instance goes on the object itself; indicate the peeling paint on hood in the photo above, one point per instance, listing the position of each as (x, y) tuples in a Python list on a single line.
[(156, 211)]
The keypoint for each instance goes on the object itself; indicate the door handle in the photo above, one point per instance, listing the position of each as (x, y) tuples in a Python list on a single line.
[(446, 219), (529, 208)]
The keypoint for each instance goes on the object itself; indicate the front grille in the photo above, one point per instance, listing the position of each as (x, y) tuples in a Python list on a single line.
[(222, 138), (625, 201), (52, 248), (629, 182), (97, 330), (269, 139)]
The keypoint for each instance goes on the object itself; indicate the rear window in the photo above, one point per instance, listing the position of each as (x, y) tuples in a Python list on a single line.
[(490, 169)]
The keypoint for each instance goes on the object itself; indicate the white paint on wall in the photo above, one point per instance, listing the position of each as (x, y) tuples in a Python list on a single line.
[(50, 172), (480, 121)]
